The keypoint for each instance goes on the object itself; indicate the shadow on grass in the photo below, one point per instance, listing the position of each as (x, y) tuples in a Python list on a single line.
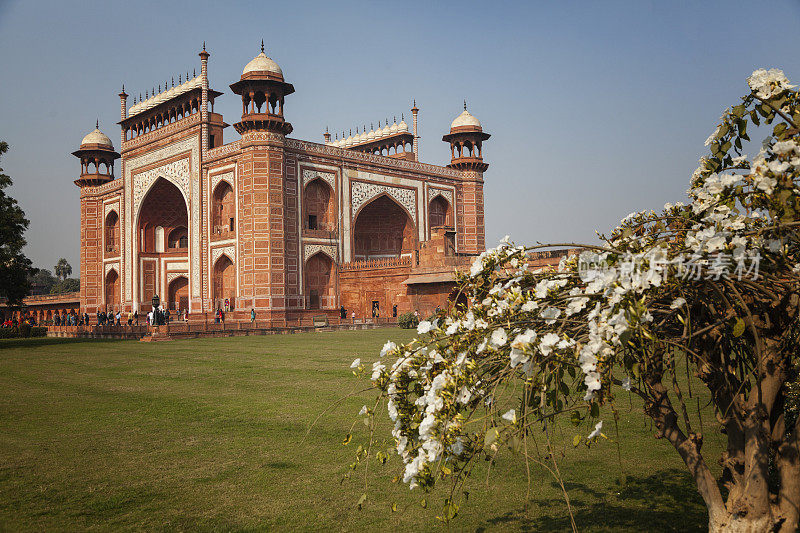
[(664, 501), (48, 341)]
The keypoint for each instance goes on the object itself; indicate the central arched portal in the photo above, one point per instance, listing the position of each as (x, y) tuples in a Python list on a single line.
[(161, 240), (383, 229)]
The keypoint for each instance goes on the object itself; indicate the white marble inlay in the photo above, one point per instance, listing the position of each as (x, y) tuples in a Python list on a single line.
[(311, 249), (230, 251), (362, 193), (309, 175)]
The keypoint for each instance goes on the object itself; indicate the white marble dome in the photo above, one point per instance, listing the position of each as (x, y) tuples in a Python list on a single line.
[(97, 137), (262, 63), (465, 119)]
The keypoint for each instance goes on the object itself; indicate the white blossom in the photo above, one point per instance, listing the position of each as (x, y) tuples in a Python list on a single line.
[(499, 337), (424, 327), (510, 415)]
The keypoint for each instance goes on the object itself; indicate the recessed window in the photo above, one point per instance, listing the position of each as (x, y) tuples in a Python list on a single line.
[(312, 221)]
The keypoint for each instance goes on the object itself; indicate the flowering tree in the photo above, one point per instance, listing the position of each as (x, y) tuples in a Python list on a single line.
[(715, 282)]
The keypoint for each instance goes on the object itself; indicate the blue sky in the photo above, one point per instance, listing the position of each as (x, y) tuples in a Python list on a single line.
[(596, 109)]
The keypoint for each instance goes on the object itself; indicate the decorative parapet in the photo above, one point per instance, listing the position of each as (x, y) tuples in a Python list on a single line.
[(353, 156), (160, 133), (372, 264), (223, 151)]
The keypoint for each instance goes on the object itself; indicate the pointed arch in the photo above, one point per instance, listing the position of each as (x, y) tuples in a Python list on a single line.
[(319, 206), (112, 289), (162, 211), (223, 211), (319, 283), (440, 212), (223, 282), (383, 228), (111, 234), (178, 293)]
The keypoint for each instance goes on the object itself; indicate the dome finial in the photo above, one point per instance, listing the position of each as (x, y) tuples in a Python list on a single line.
[(465, 104), (262, 46), (97, 124), (123, 87), (204, 46), (194, 72)]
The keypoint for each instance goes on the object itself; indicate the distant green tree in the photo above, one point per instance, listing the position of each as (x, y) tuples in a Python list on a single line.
[(14, 266), (41, 280), (67, 285), (62, 269)]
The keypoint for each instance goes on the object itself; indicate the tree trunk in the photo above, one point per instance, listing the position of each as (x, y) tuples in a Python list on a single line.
[(733, 523)]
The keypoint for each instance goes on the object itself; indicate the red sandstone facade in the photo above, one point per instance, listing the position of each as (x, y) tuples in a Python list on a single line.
[(268, 222)]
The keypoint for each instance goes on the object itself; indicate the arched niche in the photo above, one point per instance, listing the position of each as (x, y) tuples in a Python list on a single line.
[(178, 239), (223, 211), (319, 281), (111, 234), (383, 229), (440, 212), (112, 289), (178, 294), (223, 283), (319, 210)]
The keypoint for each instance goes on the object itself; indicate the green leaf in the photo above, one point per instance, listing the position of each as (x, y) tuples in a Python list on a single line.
[(491, 437), (347, 439), (739, 110), (595, 410), (575, 418), (362, 500), (394, 507), (576, 440), (424, 503), (738, 328)]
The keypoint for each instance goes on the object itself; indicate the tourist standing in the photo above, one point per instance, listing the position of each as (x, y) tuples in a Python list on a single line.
[(252, 315)]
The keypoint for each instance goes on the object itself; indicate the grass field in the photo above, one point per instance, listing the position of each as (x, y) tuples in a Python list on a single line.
[(210, 434)]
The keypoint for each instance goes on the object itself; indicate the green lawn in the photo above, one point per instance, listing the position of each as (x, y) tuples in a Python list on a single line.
[(209, 434)]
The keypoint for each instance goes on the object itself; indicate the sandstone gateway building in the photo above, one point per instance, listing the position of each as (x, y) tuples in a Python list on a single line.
[(268, 222)]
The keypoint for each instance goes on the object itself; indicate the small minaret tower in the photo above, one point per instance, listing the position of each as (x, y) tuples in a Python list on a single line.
[(96, 150), (262, 89), (466, 142)]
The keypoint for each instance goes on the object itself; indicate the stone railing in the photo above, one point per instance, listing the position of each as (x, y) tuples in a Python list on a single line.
[(371, 264)]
